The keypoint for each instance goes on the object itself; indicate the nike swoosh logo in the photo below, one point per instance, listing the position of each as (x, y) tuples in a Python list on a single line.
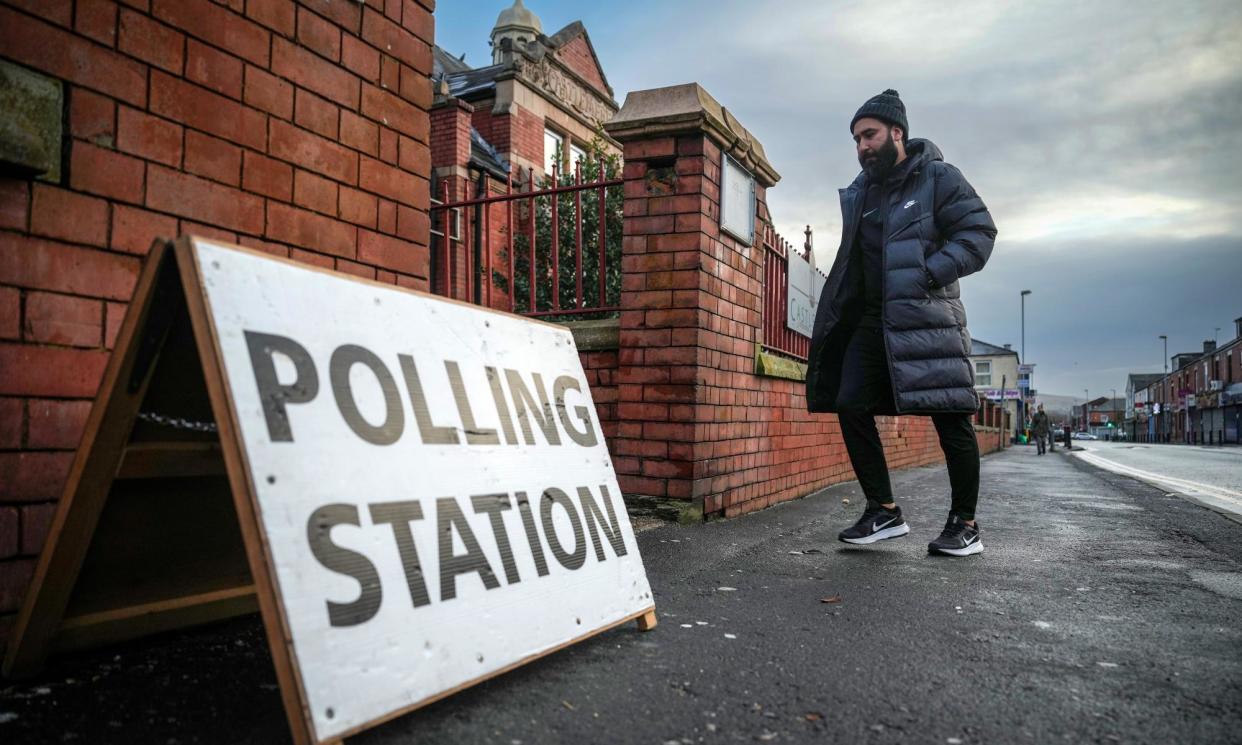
[(877, 527), (868, 212)]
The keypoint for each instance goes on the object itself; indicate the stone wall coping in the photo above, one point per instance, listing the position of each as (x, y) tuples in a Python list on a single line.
[(441, 102), (595, 335), (680, 109)]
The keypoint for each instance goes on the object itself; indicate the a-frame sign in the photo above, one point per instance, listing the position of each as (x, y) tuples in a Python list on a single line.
[(414, 492)]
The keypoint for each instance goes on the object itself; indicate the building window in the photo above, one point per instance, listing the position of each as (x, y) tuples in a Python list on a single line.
[(553, 147), (983, 372), (577, 155)]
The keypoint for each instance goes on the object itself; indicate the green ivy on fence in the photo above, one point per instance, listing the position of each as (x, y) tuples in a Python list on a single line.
[(597, 159)]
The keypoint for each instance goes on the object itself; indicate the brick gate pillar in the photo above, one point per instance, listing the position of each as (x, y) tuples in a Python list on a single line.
[(691, 299), (450, 158)]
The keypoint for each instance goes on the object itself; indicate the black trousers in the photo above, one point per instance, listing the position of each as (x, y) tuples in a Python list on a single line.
[(867, 391)]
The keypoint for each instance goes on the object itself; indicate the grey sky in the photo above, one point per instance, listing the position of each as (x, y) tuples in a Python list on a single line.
[(1102, 135)]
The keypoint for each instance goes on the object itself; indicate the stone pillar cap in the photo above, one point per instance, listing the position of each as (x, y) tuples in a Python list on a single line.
[(680, 109)]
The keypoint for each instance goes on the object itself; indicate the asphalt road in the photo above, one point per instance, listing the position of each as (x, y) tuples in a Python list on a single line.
[(1211, 476), (1101, 611)]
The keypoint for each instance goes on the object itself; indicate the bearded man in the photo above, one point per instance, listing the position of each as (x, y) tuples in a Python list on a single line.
[(890, 332)]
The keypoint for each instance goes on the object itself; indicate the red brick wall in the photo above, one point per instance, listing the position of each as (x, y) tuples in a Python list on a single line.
[(577, 56), (298, 128), (518, 133), (694, 421), (601, 367), (450, 134), (499, 224)]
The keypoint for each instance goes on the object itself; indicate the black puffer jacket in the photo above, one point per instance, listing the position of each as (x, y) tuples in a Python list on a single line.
[(935, 226)]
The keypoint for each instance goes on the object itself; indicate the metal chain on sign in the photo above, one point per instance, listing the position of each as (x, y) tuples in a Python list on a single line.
[(176, 422)]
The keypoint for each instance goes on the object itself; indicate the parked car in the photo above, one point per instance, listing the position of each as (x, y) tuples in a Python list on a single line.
[(1084, 436)]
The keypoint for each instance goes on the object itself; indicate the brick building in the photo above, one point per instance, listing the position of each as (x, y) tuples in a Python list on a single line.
[(1200, 400), (996, 376), (299, 129), (543, 97), (1138, 408)]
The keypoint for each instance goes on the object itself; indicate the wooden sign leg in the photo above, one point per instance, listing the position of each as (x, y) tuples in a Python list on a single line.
[(647, 621)]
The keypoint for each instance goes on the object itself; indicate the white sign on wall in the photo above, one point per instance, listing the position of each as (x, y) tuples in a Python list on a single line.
[(805, 283), (737, 201), (430, 478), (995, 394)]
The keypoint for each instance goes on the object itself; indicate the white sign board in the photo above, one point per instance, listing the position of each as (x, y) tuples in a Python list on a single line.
[(737, 201), (431, 480), (805, 283), (995, 394)]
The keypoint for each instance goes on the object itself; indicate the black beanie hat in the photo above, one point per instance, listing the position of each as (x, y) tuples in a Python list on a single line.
[(886, 107)]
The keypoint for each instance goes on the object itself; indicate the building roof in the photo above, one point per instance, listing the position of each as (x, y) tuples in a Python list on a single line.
[(1184, 359), (442, 62), (1142, 380), (483, 155), (462, 79), (1104, 403), (465, 81), (518, 16), (568, 34), (980, 348)]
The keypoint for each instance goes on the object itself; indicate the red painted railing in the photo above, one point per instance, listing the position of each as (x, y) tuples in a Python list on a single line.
[(460, 225), (777, 336)]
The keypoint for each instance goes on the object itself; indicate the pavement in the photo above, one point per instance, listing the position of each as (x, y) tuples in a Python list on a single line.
[(1102, 610)]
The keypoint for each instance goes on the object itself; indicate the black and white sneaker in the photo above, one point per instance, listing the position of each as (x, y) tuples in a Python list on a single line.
[(876, 524), (957, 539)]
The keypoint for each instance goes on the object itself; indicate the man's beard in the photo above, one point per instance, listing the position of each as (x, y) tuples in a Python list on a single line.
[(881, 161)]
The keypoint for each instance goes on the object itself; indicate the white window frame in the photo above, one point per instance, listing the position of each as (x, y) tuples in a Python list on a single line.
[(576, 154), (549, 153), (980, 373)]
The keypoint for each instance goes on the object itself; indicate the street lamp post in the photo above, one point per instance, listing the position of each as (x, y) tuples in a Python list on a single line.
[(1024, 294), (1164, 384), (1022, 393), (1112, 411), (1086, 416)]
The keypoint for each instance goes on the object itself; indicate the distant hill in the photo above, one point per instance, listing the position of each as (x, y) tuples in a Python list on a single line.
[(1059, 408)]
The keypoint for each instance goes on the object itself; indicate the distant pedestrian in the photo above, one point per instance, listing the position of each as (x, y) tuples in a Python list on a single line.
[(890, 333), (1041, 428)]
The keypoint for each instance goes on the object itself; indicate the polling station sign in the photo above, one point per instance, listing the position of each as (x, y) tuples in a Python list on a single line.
[(430, 478), (414, 492)]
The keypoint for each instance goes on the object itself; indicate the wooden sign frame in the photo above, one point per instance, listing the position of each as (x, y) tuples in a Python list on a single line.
[(156, 562)]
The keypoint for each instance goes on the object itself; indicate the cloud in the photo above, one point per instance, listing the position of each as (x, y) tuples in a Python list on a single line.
[(1098, 306), (1102, 135), (1043, 105)]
